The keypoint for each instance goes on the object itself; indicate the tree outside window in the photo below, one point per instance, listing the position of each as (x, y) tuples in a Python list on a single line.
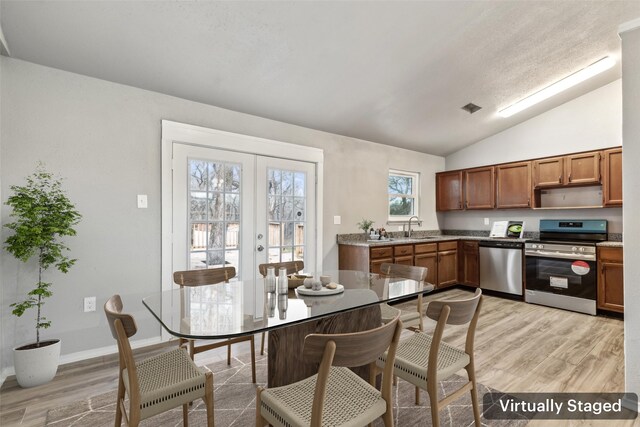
[(403, 193)]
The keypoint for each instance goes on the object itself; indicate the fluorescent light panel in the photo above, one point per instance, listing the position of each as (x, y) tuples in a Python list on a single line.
[(559, 86)]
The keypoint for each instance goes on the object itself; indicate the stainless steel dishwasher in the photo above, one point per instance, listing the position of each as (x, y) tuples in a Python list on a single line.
[(501, 266)]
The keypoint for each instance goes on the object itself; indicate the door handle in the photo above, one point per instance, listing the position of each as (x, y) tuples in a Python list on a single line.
[(260, 248)]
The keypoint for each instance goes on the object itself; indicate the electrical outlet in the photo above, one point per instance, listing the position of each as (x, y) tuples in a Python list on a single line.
[(142, 201), (89, 304), (337, 220), (486, 221)]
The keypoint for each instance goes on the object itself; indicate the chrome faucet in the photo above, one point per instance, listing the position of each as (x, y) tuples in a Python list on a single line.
[(408, 233)]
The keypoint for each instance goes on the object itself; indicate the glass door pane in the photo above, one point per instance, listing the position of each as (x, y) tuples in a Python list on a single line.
[(285, 199), (216, 191), (215, 206)]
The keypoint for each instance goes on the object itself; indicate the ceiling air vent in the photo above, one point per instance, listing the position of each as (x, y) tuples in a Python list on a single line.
[(471, 108)]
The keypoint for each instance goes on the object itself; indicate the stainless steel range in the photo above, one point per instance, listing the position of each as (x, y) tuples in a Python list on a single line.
[(561, 269)]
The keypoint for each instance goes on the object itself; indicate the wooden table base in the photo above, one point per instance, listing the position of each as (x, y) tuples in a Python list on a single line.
[(285, 362)]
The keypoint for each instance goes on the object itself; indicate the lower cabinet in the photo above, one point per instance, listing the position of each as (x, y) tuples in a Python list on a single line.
[(403, 254), (426, 255), (440, 259), (610, 279), (378, 256), (447, 264), (469, 267)]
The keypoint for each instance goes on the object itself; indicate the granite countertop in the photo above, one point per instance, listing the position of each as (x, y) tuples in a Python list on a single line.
[(435, 236), (414, 240)]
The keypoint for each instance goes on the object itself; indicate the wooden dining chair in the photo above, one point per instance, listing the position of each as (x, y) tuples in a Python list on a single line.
[(156, 384), (410, 319), (425, 359), (292, 267), (212, 276), (335, 396)]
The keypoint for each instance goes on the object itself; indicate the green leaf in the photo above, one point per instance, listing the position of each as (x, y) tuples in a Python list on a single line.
[(42, 215)]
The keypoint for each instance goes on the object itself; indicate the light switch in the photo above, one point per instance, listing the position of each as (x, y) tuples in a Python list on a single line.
[(486, 221), (142, 201), (337, 220)]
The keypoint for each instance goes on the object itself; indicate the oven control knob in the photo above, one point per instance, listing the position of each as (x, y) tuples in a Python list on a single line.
[(574, 249), (581, 249), (540, 246)]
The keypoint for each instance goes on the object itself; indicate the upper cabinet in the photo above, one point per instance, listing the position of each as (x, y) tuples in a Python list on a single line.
[(535, 183), (548, 172), (612, 177), (449, 191), (479, 187), (582, 169), (513, 185), (575, 169)]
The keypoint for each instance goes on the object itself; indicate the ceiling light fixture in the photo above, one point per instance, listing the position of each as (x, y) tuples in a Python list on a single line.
[(557, 87)]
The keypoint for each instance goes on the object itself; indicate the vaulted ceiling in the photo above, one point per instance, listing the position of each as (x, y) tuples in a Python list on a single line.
[(392, 72)]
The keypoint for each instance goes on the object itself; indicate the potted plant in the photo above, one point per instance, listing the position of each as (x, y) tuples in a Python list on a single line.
[(365, 225), (42, 215)]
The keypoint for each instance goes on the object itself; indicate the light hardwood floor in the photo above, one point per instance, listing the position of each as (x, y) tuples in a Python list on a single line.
[(519, 348)]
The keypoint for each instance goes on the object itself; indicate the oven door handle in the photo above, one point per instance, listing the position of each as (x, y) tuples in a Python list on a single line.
[(544, 254)]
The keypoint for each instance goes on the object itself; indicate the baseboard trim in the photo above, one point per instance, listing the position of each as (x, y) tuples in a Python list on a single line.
[(108, 354)]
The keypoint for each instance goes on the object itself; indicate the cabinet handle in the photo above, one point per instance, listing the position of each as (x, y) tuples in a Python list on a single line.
[(560, 179), (529, 202), (466, 205), (569, 177), (459, 205)]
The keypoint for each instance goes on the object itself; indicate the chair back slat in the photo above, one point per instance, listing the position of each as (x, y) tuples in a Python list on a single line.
[(113, 310), (291, 266), (352, 349), (461, 311), (419, 274), (209, 276)]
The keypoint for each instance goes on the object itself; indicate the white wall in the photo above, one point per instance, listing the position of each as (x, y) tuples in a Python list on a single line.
[(631, 195), (590, 122), (2, 282), (105, 139)]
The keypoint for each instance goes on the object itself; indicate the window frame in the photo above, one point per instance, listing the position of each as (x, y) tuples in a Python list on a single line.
[(415, 195)]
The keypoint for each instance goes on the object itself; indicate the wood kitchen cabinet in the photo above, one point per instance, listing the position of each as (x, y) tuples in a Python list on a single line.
[(610, 279), (449, 191), (612, 177), (378, 256), (440, 259), (548, 172), (403, 254), (426, 255), (469, 268), (582, 169), (513, 185), (479, 187), (447, 264), (522, 184)]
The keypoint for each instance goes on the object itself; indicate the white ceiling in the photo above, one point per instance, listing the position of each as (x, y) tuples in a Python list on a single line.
[(396, 73)]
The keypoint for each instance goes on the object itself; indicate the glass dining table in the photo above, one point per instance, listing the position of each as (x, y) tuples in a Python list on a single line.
[(244, 307)]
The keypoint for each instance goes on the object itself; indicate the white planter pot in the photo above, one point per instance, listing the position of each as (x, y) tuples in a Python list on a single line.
[(35, 366)]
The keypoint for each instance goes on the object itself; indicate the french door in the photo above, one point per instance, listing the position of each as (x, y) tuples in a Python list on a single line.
[(241, 210)]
